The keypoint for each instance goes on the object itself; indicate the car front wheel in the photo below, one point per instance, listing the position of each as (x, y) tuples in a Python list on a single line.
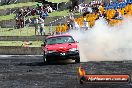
[(77, 60), (44, 58)]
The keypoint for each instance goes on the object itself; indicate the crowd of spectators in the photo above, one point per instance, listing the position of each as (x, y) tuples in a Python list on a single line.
[(94, 11), (40, 12), (83, 8), (95, 8)]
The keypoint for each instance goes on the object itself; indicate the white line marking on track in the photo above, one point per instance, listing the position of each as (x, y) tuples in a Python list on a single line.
[(19, 55)]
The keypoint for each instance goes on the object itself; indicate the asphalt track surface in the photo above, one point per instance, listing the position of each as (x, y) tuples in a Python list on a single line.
[(31, 72)]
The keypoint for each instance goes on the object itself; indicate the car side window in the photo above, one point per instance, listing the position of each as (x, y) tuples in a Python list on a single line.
[(51, 41), (69, 39)]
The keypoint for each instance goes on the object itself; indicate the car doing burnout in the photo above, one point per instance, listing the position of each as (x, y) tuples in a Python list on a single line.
[(60, 47)]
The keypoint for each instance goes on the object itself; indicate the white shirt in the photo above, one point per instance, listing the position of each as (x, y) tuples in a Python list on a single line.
[(41, 22), (89, 9), (36, 21), (77, 26), (86, 24)]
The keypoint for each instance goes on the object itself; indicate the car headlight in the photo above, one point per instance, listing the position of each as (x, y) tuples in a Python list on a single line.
[(73, 49), (50, 51)]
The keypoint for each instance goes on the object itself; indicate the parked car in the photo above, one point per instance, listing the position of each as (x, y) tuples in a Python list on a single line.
[(60, 47)]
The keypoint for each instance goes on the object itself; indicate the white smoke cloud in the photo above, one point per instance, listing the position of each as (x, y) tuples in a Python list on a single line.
[(105, 43)]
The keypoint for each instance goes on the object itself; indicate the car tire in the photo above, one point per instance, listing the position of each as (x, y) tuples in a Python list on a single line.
[(77, 60), (81, 82), (44, 58), (47, 60)]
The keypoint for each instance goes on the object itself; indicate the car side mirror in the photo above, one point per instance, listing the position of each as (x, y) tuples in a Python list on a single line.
[(76, 41), (43, 44)]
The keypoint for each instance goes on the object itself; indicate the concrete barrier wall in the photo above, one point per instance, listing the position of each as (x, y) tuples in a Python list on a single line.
[(23, 38), (17, 50)]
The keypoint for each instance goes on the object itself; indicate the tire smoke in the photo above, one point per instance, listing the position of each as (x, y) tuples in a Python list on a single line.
[(104, 42)]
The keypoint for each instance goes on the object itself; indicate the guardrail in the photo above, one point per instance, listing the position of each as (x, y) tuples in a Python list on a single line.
[(23, 38), (18, 50)]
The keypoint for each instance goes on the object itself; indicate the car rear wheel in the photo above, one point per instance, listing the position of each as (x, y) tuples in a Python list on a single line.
[(77, 60)]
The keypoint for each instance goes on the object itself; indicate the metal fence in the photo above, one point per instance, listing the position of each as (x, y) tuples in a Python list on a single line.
[(9, 28), (50, 26), (11, 25)]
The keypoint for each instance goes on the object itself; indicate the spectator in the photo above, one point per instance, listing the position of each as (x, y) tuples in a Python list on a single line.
[(25, 12), (22, 11), (36, 24), (77, 27), (101, 14), (85, 24), (89, 9), (80, 8), (42, 14), (71, 23), (82, 1), (49, 9), (37, 11), (28, 9), (95, 8), (29, 20), (33, 12), (118, 15), (41, 22), (46, 13)]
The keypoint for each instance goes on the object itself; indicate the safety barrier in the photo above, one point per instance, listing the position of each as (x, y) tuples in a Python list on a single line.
[(5, 2), (18, 50), (23, 38)]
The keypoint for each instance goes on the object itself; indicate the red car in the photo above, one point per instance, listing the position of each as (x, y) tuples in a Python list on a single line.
[(60, 47)]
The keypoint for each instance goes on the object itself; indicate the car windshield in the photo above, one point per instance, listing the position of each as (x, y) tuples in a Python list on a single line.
[(60, 40)]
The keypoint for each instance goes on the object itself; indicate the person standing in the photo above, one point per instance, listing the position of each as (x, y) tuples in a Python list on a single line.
[(77, 27), (118, 15), (41, 22), (72, 20), (36, 24), (85, 24)]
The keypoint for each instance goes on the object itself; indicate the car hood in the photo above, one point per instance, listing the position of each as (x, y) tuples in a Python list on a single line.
[(61, 47)]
